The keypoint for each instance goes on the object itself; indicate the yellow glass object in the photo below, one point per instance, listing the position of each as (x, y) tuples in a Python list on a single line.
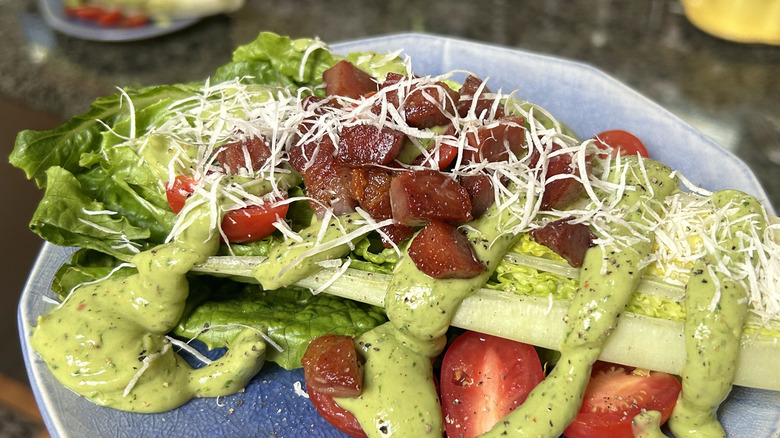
[(744, 21)]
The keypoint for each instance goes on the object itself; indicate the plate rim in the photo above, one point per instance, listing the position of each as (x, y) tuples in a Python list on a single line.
[(52, 11)]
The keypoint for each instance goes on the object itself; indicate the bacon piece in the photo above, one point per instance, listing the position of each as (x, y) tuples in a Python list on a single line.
[(332, 366), (569, 240), (344, 79), (313, 153), (315, 107), (327, 181), (395, 233), (423, 106), (480, 189), (417, 196), (560, 193), (494, 142), (483, 107), (441, 251), (251, 152), (371, 187), (366, 144)]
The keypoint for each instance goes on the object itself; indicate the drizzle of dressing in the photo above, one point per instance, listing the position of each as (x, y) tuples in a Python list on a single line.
[(107, 340)]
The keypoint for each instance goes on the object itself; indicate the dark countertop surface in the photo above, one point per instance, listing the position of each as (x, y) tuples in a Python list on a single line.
[(729, 91)]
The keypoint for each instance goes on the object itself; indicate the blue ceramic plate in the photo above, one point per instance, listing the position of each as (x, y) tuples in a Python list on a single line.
[(586, 99), (54, 14)]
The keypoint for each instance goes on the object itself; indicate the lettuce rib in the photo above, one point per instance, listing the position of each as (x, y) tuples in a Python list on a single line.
[(641, 341)]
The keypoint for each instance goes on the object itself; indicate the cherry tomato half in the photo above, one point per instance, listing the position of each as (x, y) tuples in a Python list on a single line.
[(240, 226), (110, 19), (178, 192), (135, 21), (86, 13), (615, 395), (447, 154), (623, 141), (252, 223), (483, 378)]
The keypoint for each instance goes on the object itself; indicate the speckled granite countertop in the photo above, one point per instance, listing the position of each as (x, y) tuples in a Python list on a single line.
[(729, 91)]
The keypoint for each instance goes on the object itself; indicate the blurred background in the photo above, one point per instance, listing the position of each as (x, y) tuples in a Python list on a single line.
[(729, 91)]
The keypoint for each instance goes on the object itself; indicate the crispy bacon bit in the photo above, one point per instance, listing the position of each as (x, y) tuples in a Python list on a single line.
[(344, 79), (496, 141), (332, 366), (418, 196), (480, 189), (327, 181), (569, 240), (560, 193), (468, 92), (360, 145), (441, 251), (395, 233), (371, 187), (423, 106), (315, 107), (249, 153)]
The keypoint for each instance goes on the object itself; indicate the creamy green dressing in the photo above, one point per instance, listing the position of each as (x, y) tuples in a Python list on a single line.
[(647, 425), (107, 341), (712, 333), (420, 309), (609, 275), (289, 262)]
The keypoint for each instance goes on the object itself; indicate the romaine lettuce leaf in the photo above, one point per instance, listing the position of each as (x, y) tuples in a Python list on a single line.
[(279, 60), (36, 151), (67, 216), (524, 280), (291, 317)]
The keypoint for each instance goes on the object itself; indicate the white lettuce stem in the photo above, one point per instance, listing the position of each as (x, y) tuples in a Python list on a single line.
[(647, 342)]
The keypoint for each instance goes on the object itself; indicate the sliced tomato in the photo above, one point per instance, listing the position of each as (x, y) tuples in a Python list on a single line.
[(483, 378), (137, 20), (86, 13), (339, 417), (110, 19), (616, 394), (252, 223), (178, 192), (623, 141)]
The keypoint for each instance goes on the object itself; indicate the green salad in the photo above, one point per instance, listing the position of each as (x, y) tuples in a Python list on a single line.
[(216, 211)]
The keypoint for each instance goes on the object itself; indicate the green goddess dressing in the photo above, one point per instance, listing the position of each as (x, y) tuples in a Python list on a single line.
[(399, 395), (609, 275), (107, 340), (713, 324)]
